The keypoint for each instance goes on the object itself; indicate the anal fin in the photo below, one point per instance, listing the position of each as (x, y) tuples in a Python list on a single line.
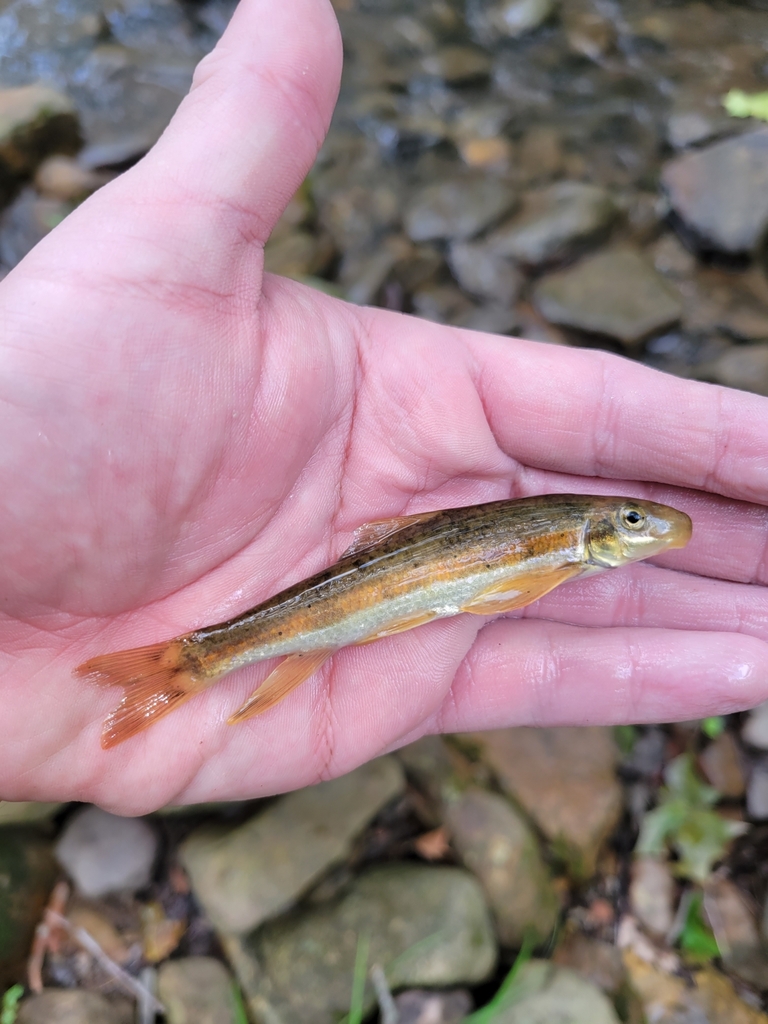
[(399, 626), (508, 595), (290, 673)]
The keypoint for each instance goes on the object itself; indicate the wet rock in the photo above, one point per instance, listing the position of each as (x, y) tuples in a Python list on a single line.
[(257, 870), (27, 871), (556, 223), (496, 844), (457, 65), (755, 729), (21, 811), (422, 1007), (652, 894), (60, 1006), (547, 993), (492, 20), (721, 763), (705, 997), (744, 367), (427, 926), (35, 121), (735, 928), (104, 853), (196, 990), (597, 961), (757, 792), (565, 780), (615, 293), (458, 209), (483, 273), (721, 192)]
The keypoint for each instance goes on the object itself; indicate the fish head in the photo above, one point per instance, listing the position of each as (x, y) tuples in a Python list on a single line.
[(629, 529)]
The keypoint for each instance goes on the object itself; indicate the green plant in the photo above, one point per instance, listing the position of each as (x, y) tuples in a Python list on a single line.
[(240, 1016), (507, 990), (10, 1005), (697, 941), (713, 727), (685, 821), (743, 104)]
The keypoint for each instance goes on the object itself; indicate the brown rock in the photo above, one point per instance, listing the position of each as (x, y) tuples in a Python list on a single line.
[(721, 763), (61, 177), (744, 367), (735, 928), (497, 845), (35, 121), (599, 962), (565, 779)]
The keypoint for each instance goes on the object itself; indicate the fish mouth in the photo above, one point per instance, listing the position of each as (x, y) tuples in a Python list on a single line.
[(681, 530)]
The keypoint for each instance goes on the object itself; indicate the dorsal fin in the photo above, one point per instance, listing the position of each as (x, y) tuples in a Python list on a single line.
[(370, 534)]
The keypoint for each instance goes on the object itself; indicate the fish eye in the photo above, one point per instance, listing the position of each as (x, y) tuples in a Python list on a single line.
[(632, 518)]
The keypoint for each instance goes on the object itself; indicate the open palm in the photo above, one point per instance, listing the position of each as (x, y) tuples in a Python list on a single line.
[(181, 439)]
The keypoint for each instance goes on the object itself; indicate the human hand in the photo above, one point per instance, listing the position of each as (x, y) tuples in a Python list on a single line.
[(182, 439)]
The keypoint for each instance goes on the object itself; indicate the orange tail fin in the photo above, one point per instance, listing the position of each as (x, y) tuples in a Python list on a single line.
[(156, 680)]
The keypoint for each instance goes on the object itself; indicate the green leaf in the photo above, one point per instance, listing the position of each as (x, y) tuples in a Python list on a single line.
[(625, 736), (713, 727), (697, 939), (742, 104), (357, 999), (10, 1005), (506, 993), (240, 1017)]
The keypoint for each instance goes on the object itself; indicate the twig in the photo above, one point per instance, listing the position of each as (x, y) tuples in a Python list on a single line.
[(82, 938), (44, 940), (145, 1011), (389, 1012)]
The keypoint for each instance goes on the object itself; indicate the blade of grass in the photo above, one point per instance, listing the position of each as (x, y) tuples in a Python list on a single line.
[(357, 999), (506, 992), (10, 1004), (240, 1016)]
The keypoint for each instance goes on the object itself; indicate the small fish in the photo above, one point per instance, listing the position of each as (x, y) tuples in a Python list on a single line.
[(398, 574)]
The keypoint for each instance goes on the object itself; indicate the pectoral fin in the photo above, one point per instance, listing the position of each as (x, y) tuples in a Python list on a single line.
[(289, 674), (517, 593), (370, 534), (399, 626)]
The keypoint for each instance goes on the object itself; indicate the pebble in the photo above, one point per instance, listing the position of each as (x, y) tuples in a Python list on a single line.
[(755, 729), (428, 926), (259, 869), (599, 962), (35, 121), (457, 65), (196, 990), (721, 192), (614, 293), (735, 928), (721, 763), (541, 154), (652, 895), (700, 997), (78, 1006), (565, 780), (496, 844), (61, 177), (458, 209), (492, 20), (546, 993), (103, 853), (556, 223), (757, 792), (27, 872), (671, 258), (419, 1006), (744, 367), (482, 272)]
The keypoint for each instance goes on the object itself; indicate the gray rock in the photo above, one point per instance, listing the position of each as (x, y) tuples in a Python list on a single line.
[(546, 993), (27, 871), (598, 962), (433, 765), (556, 223), (491, 319), (755, 729), (25, 222), (492, 20), (458, 209), (257, 870), (565, 780), (757, 793), (63, 1006), (671, 258), (35, 121), (419, 1006), (615, 292), (744, 367), (482, 272), (721, 192), (104, 853), (497, 845), (652, 894), (427, 926), (196, 990)]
